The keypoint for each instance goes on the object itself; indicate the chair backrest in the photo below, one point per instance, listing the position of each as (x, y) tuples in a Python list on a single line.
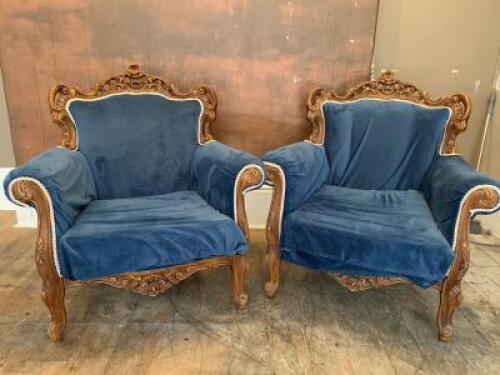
[(384, 134), (137, 132)]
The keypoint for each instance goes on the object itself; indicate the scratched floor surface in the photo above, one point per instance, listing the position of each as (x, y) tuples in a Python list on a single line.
[(312, 326)]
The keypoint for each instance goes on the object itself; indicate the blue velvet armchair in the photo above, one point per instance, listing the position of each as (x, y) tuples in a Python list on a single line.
[(139, 195), (377, 195)]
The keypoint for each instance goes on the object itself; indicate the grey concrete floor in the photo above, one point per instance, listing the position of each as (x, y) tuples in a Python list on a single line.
[(312, 326)]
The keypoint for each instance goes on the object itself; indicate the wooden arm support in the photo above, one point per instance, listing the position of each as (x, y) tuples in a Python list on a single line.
[(273, 228), (250, 177), (484, 198), (33, 194)]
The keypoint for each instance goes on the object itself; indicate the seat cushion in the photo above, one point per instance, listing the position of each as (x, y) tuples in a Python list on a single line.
[(125, 235), (382, 144), (367, 233)]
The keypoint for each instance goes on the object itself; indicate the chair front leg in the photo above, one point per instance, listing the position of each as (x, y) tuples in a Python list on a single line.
[(273, 227), (239, 267), (249, 177), (451, 289), (53, 290)]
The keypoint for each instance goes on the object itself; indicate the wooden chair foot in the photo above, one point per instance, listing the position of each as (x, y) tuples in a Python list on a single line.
[(271, 288), (241, 300), (239, 267), (56, 331), (53, 296), (451, 297)]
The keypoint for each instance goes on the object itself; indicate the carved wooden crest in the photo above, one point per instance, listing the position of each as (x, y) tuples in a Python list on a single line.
[(388, 87), (131, 80)]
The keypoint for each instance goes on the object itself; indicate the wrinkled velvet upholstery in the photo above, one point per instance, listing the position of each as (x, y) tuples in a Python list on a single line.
[(67, 178), (137, 145), (214, 169), (305, 167), (376, 199), (367, 232), (134, 196), (123, 235), (450, 179), (382, 145)]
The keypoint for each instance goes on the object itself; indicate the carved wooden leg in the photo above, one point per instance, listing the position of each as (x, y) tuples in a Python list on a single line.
[(451, 290), (239, 268), (450, 298), (276, 178), (53, 296), (273, 263), (33, 194)]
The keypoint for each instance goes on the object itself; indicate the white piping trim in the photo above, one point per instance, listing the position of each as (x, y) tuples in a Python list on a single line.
[(51, 213), (282, 203), (250, 188), (474, 211), (132, 93), (392, 100), (312, 143)]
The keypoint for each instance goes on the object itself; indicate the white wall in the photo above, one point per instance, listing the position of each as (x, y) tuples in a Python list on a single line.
[(444, 47), (6, 152)]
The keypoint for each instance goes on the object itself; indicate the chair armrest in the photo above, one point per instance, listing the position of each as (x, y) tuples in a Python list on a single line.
[(59, 184), (452, 186), (304, 168), (222, 174)]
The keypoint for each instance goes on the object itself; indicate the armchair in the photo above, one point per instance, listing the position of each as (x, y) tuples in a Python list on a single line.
[(138, 195), (377, 195)]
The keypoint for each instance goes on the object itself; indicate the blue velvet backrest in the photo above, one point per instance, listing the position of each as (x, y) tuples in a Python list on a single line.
[(382, 144), (137, 144)]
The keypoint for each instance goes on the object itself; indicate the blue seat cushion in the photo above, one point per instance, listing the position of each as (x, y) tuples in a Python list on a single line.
[(133, 234), (382, 144), (367, 233)]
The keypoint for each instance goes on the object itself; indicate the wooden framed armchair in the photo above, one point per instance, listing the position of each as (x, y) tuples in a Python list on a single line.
[(139, 195), (377, 195)]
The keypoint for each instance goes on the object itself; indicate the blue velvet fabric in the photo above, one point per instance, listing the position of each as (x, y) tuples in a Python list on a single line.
[(367, 232), (68, 180), (137, 145), (377, 199), (124, 235), (381, 144), (305, 167), (128, 199), (214, 170), (448, 182)]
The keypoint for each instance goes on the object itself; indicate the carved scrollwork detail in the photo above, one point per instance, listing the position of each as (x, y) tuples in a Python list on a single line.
[(131, 80), (484, 198), (153, 283), (388, 87), (360, 283), (30, 193), (251, 176), (273, 226)]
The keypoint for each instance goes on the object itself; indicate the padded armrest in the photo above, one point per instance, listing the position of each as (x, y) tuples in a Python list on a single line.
[(305, 169), (65, 176), (449, 183), (215, 171)]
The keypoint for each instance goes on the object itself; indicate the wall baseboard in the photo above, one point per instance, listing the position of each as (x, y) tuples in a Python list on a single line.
[(5, 204), (257, 204), (25, 216)]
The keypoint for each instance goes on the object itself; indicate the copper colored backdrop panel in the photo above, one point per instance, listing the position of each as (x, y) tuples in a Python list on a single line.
[(261, 56)]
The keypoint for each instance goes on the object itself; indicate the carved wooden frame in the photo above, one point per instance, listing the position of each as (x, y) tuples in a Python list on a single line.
[(132, 80), (387, 87), (482, 198), (149, 283)]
